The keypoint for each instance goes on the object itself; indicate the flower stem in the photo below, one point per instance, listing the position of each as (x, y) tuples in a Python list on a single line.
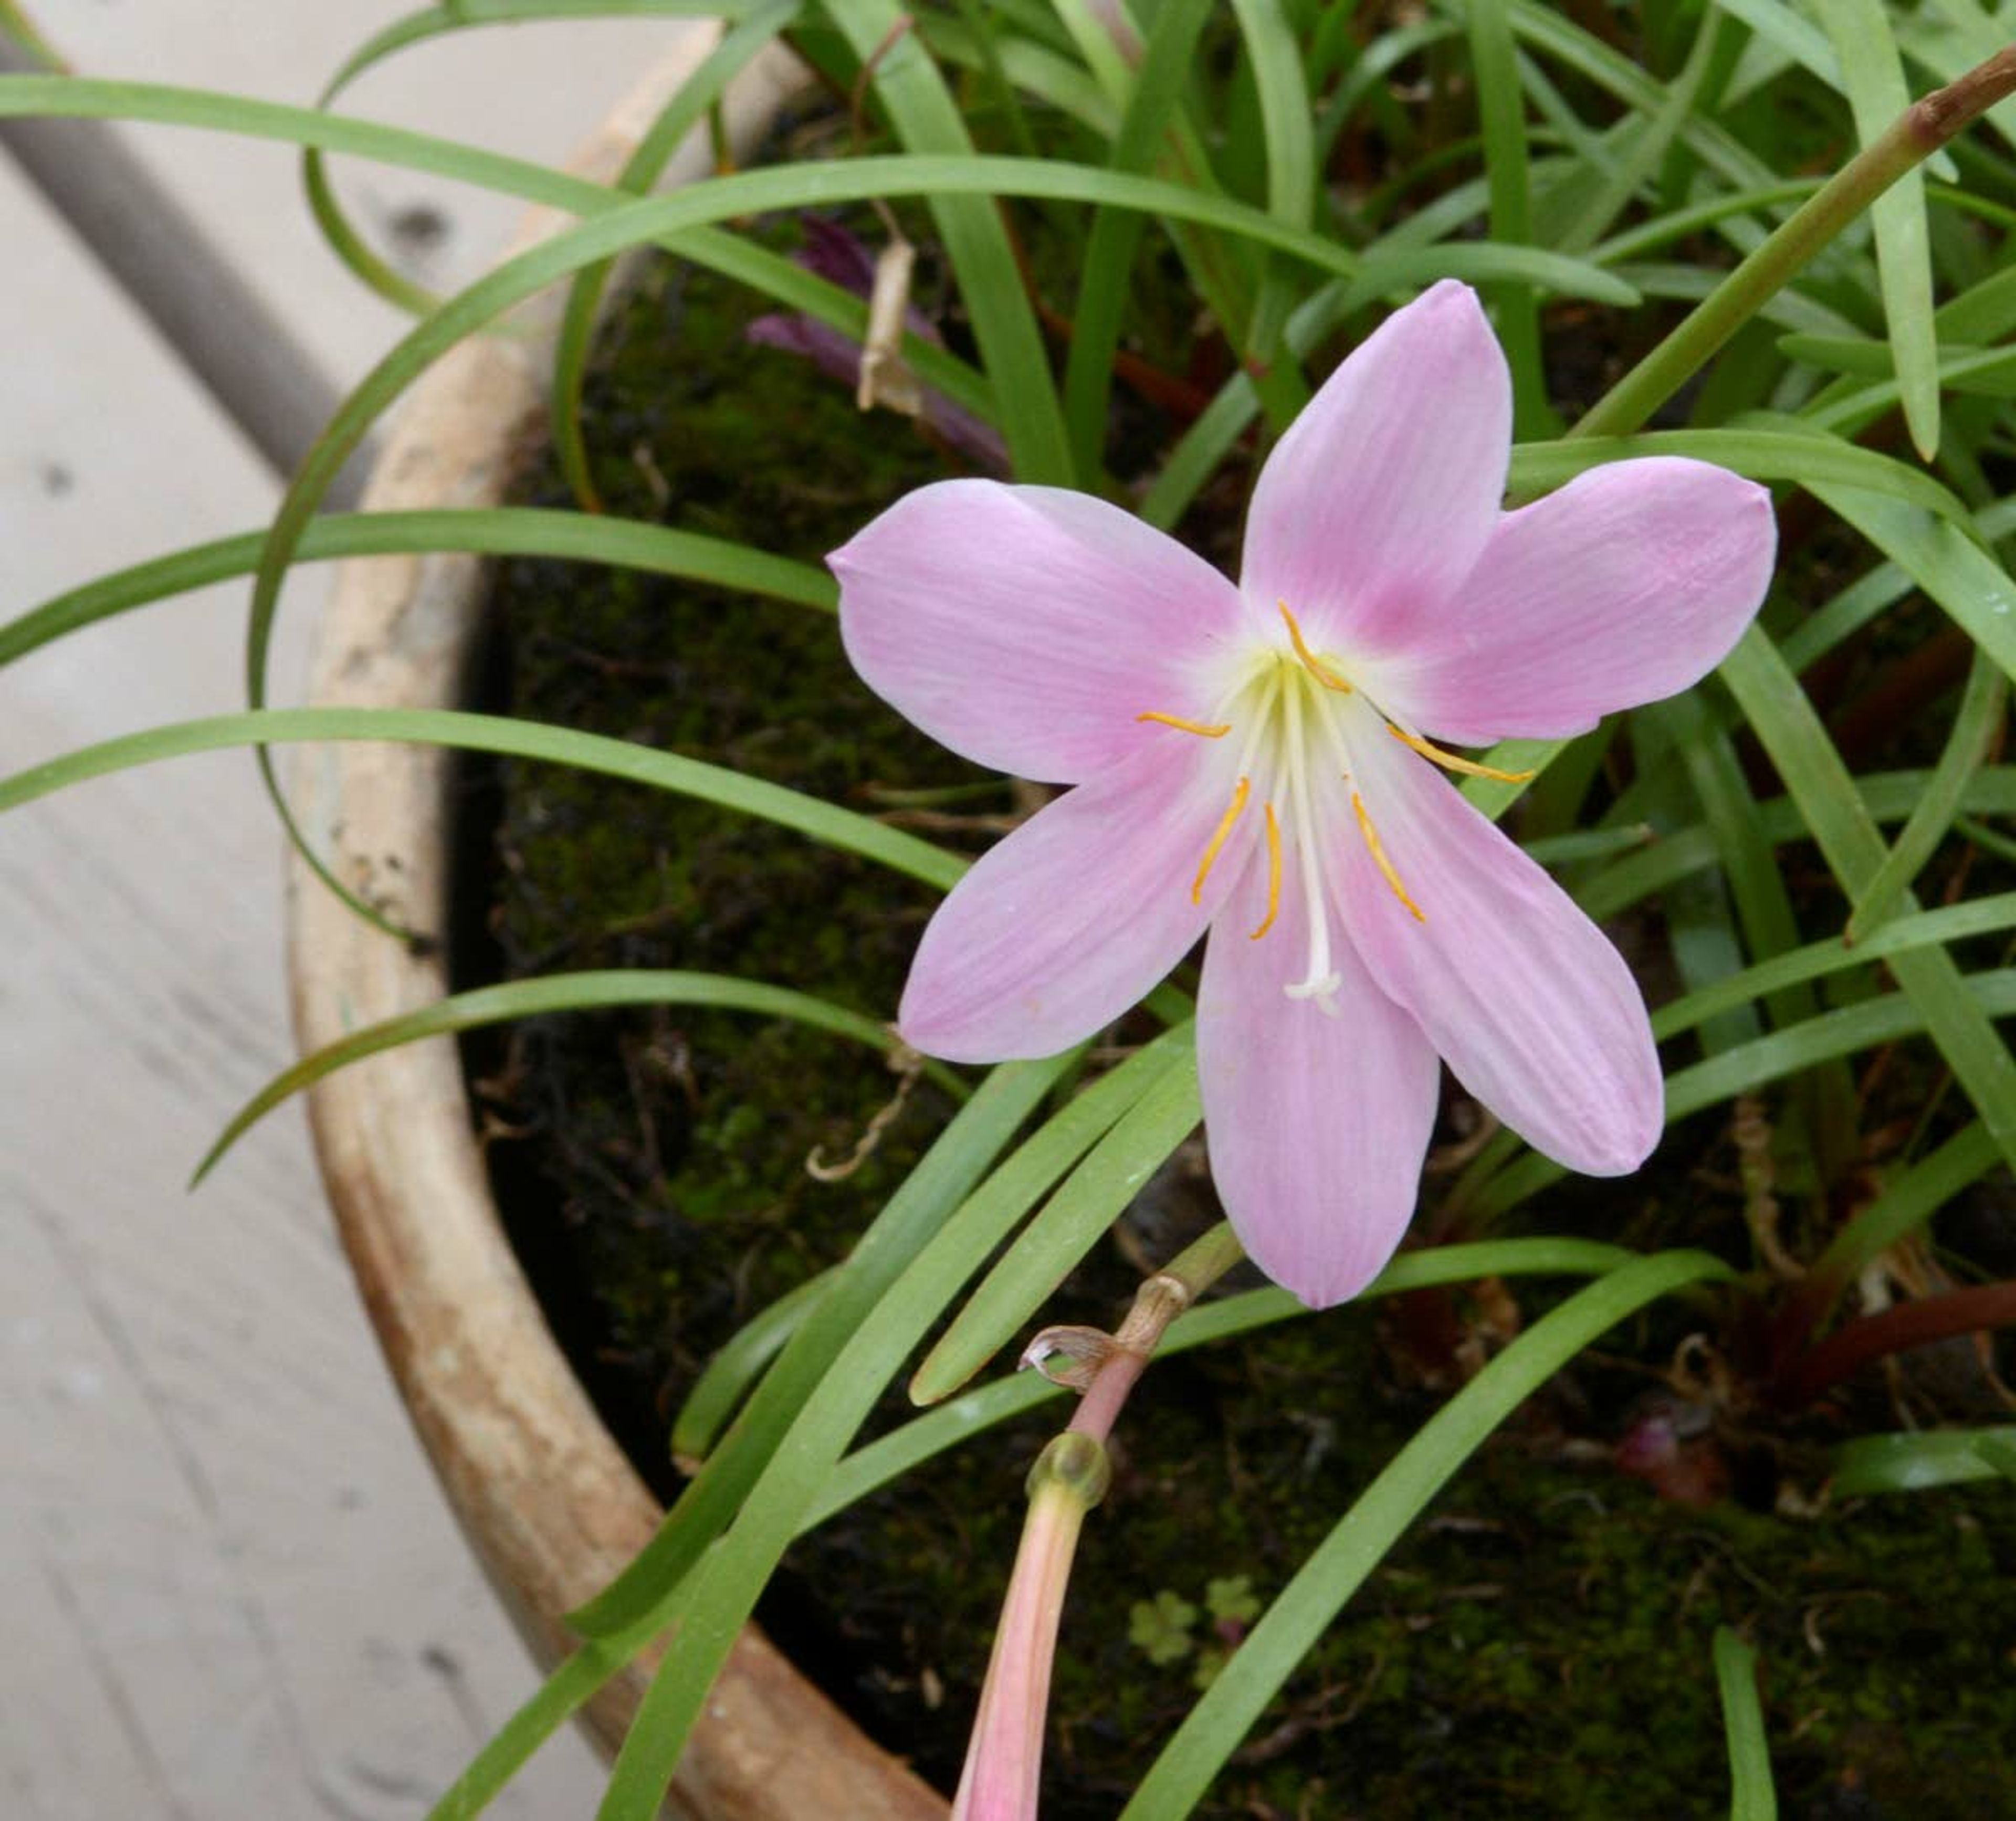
[(1156, 1303), (1004, 1761), (1923, 128)]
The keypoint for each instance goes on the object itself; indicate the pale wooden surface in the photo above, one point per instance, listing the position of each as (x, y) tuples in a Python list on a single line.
[(232, 1588)]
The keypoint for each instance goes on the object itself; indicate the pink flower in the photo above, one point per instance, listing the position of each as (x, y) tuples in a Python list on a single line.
[(1259, 760)]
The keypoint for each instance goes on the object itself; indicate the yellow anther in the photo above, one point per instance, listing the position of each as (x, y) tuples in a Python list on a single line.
[(1273, 875), (1314, 665), (1450, 761), (1218, 839), (1205, 730), (1379, 859)]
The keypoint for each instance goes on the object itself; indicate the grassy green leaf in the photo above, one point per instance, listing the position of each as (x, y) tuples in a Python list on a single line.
[(1501, 109), (1889, 796), (1555, 35), (774, 1506), (433, 22), (777, 277), (1912, 1461), (1979, 997), (1909, 1199), (730, 1374), (1752, 1797), (1274, 56), (1083, 1208), (1111, 247), (1781, 25), (1340, 1565), (1662, 230), (525, 739), (1975, 590), (744, 40), (970, 1412), (1649, 144), (1385, 271), (1877, 93), (494, 531), (1817, 960), (572, 1684), (926, 117), (654, 1590), (561, 992), (1977, 726), (1799, 456), (1825, 1097)]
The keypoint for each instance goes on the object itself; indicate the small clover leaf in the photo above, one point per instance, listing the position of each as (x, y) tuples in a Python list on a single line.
[(1231, 1600), (1160, 1627)]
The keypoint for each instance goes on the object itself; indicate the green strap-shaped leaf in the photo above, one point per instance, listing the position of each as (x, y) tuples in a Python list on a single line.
[(715, 1606), (1340, 1565), (1817, 960), (731, 1371), (1976, 728), (654, 1590), (1751, 1795), (492, 733), (1084, 1205), (1889, 796), (972, 1412), (1652, 141), (745, 40), (1907, 1202), (601, 990), (1799, 456), (1975, 590), (1913, 1463), (1115, 237), (907, 83), (1876, 94), (493, 532), (1981, 998)]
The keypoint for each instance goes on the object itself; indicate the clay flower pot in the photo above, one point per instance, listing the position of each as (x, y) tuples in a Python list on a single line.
[(550, 1504)]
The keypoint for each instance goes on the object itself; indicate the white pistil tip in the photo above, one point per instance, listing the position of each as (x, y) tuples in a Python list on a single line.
[(1323, 990)]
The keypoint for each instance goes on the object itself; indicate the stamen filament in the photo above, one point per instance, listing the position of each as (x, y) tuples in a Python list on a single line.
[(1205, 730), (1314, 665), (1379, 856), (1273, 874), (1217, 840), (1450, 761)]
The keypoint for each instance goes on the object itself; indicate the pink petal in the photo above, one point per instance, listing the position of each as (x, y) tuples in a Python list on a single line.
[(1630, 584), (1374, 505), (1068, 922), (1534, 1010), (1317, 1124), (1027, 627)]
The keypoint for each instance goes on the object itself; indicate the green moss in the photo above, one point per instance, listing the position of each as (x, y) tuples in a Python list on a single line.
[(1538, 1645)]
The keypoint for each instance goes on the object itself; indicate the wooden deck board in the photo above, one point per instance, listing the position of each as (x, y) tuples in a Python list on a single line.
[(234, 1590)]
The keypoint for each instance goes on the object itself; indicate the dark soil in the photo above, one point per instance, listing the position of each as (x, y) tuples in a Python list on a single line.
[(1539, 1645)]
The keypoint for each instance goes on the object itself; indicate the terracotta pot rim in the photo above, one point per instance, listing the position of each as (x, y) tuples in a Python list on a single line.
[(547, 1498)]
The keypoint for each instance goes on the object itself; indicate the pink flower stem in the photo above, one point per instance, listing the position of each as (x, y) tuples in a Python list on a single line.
[(1004, 1761), (1116, 1368)]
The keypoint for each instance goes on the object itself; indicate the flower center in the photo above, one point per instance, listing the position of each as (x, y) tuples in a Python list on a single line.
[(1290, 708)]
